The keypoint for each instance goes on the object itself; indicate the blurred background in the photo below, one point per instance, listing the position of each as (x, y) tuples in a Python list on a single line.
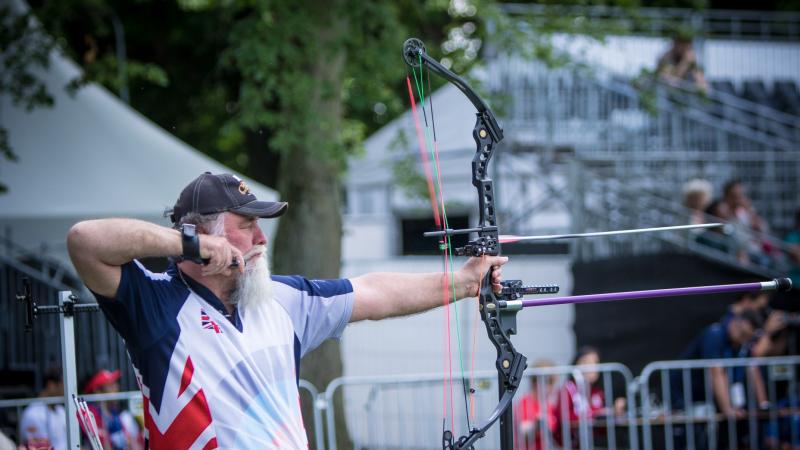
[(617, 115)]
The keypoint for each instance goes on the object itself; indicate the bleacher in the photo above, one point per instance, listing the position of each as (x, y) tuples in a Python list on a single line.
[(780, 95), (621, 147)]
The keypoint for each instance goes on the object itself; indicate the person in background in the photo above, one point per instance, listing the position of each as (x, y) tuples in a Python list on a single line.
[(42, 425), (118, 429), (680, 64), (745, 217), (771, 339), (536, 408), (573, 403), (793, 239), (697, 197), (728, 239)]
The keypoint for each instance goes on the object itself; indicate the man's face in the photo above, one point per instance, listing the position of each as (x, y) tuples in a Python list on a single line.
[(740, 331), (243, 233), (736, 195)]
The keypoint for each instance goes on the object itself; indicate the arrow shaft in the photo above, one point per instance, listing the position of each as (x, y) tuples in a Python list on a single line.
[(552, 237)]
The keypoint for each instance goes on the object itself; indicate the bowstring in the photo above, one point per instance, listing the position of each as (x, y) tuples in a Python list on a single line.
[(446, 243), (423, 148), (465, 386)]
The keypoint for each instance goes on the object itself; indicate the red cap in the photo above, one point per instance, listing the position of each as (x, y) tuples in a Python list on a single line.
[(101, 378)]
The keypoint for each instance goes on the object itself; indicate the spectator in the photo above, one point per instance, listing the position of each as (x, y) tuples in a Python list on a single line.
[(697, 197), (45, 426), (537, 407), (729, 386), (118, 428), (744, 216), (572, 402), (771, 340), (741, 208), (793, 239), (727, 239), (724, 339), (679, 64)]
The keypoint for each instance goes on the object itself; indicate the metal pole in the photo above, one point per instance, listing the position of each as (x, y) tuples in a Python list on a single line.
[(778, 284), (67, 326)]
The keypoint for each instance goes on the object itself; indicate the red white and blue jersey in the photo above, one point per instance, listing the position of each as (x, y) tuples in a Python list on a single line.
[(211, 381)]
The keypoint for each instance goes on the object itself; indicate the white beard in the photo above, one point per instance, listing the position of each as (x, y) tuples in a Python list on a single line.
[(254, 286)]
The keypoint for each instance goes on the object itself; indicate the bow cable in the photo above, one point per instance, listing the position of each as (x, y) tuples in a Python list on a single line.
[(449, 293)]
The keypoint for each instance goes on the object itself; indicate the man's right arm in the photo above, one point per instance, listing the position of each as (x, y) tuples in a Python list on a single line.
[(99, 247)]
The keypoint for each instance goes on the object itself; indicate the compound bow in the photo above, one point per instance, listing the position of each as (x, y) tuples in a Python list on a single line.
[(498, 310)]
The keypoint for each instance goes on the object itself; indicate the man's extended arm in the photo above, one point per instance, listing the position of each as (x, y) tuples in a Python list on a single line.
[(99, 247), (381, 295)]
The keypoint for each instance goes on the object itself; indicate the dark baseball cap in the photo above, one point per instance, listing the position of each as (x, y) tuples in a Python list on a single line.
[(211, 194)]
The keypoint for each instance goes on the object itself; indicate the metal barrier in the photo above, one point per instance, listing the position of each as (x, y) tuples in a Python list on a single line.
[(686, 414), (407, 411), (317, 423), (134, 399)]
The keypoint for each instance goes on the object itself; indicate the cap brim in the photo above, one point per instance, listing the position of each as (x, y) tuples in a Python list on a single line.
[(267, 210)]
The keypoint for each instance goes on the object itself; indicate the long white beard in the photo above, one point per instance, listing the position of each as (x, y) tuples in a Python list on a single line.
[(254, 286)]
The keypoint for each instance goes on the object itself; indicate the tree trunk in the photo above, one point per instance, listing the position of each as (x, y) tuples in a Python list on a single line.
[(309, 235)]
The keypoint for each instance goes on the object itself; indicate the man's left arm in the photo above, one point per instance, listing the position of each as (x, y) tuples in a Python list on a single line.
[(381, 295)]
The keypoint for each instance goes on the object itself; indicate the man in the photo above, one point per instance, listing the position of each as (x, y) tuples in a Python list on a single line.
[(771, 339), (725, 339), (729, 387), (45, 426), (216, 346), (118, 429)]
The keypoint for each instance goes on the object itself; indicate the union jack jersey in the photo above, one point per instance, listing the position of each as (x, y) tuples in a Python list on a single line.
[(209, 380)]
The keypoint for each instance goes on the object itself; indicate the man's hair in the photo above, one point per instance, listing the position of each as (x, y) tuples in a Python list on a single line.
[(729, 186), (752, 317), (749, 296), (583, 351), (213, 224), (53, 374)]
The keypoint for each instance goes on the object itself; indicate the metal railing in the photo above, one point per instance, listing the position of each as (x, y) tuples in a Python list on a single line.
[(688, 417), (734, 245), (407, 411), (727, 24), (664, 407), (652, 145), (134, 399), (98, 344)]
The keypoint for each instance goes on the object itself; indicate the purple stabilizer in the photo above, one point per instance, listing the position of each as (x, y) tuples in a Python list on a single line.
[(778, 284)]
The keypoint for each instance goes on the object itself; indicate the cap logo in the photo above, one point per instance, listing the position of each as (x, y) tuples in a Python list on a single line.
[(244, 189)]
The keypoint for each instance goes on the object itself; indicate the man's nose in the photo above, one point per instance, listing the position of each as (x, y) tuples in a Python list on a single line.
[(258, 237)]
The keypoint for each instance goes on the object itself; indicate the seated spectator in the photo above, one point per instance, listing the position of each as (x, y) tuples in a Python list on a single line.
[(744, 215), (730, 387), (772, 339), (535, 408), (697, 197), (793, 239), (680, 64), (45, 426), (572, 402), (118, 428), (725, 339), (728, 239)]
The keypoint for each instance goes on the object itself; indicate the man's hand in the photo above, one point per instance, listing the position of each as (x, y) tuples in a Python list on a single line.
[(776, 321), (472, 272), (220, 254)]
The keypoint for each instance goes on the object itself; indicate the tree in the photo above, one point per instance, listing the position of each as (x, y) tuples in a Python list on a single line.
[(283, 91)]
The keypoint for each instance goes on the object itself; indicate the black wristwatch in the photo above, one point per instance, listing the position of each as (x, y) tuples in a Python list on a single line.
[(190, 242)]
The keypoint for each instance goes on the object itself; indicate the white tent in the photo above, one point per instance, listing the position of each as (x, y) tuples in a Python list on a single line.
[(89, 156)]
